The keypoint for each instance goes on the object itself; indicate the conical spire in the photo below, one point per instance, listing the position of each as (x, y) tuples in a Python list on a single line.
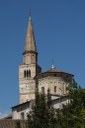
[(30, 44)]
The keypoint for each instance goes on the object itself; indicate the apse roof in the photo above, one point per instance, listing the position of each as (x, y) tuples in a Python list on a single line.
[(53, 70)]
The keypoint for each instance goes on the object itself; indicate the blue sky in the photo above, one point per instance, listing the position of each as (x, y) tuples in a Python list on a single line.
[(59, 27)]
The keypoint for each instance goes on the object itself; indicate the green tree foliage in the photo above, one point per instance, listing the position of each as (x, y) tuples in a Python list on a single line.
[(42, 114), (72, 115)]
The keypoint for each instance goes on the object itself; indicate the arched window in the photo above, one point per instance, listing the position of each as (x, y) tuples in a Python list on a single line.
[(48, 91), (42, 89), (24, 74), (27, 73), (22, 115), (55, 89)]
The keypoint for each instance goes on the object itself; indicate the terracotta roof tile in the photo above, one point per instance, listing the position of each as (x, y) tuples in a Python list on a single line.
[(54, 70), (12, 123)]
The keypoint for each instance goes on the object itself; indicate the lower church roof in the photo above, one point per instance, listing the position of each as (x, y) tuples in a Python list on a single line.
[(4, 123)]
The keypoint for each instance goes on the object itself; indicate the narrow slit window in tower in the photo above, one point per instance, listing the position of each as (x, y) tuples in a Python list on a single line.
[(55, 89), (24, 74), (29, 73)]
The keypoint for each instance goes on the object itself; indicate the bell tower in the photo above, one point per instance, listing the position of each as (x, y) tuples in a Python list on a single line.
[(29, 69)]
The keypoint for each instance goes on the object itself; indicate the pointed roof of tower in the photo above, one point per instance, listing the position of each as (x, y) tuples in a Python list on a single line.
[(30, 44)]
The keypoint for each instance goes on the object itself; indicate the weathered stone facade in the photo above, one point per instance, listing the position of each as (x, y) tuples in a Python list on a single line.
[(26, 83), (55, 81), (21, 111)]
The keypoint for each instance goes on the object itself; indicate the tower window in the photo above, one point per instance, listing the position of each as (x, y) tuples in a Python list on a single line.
[(27, 73), (24, 74), (42, 89), (55, 89)]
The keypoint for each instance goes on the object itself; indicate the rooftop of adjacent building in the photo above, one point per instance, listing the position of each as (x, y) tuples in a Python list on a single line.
[(9, 123)]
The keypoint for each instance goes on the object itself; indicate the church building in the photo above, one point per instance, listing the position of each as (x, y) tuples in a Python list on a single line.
[(31, 77)]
